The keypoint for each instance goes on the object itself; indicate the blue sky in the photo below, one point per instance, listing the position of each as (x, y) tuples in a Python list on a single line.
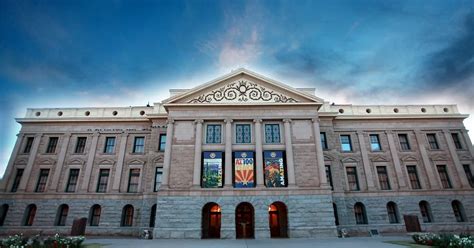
[(122, 53)]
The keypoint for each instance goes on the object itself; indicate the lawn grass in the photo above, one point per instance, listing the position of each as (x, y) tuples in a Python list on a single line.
[(407, 243), (93, 245)]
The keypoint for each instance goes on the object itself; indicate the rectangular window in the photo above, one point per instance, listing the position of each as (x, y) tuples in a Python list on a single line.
[(324, 142), (42, 180), (103, 180), (346, 145), (413, 176), (53, 142), (72, 181), (383, 178), (275, 169), (352, 178), (80, 145), (109, 145), (329, 175), (162, 142), (16, 181), (457, 141), (432, 140), (158, 177), (272, 133), (139, 145), (375, 142), (212, 170), (470, 178), (29, 144), (243, 134), (404, 142), (213, 134), (133, 180), (443, 175)]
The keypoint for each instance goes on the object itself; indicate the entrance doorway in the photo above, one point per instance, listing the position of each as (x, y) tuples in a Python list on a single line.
[(278, 220), (244, 221), (211, 221), (411, 223)]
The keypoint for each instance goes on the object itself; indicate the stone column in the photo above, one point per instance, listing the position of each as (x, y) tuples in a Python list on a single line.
[(60, 163), (228, 153), (457, 163), (90, 162), (197, 154), (259, 152), (402, 184), (167, 158), (323, 182), (289, 154), (119, 168), (468, 142), (11, 162), (433, 182), (29, 166), (366, 162)]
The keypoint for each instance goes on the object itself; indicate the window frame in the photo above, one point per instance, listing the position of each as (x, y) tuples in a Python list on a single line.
[(102, 174), (28, 144), (42, 182), (61, 215), (80, 146), (404, 143), (458, 211), (214, 141), (29, 215), (415, 173), (379, 149), (354, 173), (468, 173), (444, 176), (457, 141), (329, 175), (392, 213), (94, 217), (138, 148), (384, 183), (52, 145), (69, 183), (107, 145), (280, 138), (360, 217), (133, 187), (324, 141), (158, 171), (351, 149), (243, 140), (425, 211), (162, 145), (433, 143), (17, 180), (127, 216)]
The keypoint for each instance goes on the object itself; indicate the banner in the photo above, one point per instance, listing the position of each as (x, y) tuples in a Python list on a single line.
[(244, 176), (212, 170), (275, 175)]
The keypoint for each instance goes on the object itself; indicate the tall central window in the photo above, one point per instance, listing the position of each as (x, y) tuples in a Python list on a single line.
[(432, 140), (272, 133), (243, 133), (324, 142), (162, 145), (352, 178), (29, 143), (213, 134), (158, 178), (457, 141), (139, 145), (329, 176), (470, 178), (109, 145), (403, 138), (16, 181), (133, 180), (375, 142), (443, 175), (53, 142), (346, 145), (413, 175), (72, 181), (383, 178), (80, 145), (103, 180), (42, 180)]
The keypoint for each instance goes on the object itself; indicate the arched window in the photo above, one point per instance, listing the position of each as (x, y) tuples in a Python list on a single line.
[(29, 216), (426, 212), (61, 216), (360, 215), (458, 211), (94, 215), (127, 215), (153, 216), (392, 212), (3, 213), (336, 218)]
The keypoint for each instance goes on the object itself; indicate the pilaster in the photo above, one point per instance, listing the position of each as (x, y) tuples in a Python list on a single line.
[(323, 182), (289, 153), (433, 182), (167, 158), (11, 162), (402, 184), (457, 164), (29, 166), (60, 163), (259, 152), (366, 162), (90, 162), (119, 168), (228, 153), (197, 154)]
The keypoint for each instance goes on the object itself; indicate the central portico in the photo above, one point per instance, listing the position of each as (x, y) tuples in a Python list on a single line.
[(243, 159)]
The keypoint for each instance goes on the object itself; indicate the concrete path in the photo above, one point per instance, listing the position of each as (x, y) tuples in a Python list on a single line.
[(356, 242)]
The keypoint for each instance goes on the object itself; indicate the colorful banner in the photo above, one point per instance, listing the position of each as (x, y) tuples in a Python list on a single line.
[(244, 176), (274, 169), (212, 170)]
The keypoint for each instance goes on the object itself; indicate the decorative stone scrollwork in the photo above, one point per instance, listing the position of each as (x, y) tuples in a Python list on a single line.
[(242, 91)]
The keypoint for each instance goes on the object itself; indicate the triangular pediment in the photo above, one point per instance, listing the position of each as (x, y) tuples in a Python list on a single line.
[(242, 87)]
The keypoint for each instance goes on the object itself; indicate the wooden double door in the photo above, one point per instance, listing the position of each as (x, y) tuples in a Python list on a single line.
[(278, 221), (244, 221)]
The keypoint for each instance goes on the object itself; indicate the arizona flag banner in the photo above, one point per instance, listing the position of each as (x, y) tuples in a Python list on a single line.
[(274, 169), (244, 176), (212, 170)]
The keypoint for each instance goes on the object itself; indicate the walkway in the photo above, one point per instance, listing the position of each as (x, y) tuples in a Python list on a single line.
[(356, 242)]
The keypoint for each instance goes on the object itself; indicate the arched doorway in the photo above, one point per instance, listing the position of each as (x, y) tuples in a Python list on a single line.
[(211, 221), (244, 221), (278, 220)]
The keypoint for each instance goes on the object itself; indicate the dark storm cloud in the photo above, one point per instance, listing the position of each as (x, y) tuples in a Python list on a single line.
[(454, 64)]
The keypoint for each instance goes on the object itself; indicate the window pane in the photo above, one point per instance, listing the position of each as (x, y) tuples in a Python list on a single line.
[(72, 181), (243, 133), (80, 145), (29, 143), (43, 179), (443, 174), (158, 178), (109, 145), (413, 175), (432, 140), (404, 142), (346, 143), (103, 179), (329, 176), (470, 178), (53, 142), (352, 178), (133, 180), (16, 181), (162, 142), (374, 142), (457, 142), (383, 178), (324, 143), (139, 145)]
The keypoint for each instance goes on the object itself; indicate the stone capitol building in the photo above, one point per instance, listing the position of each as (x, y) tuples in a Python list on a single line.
[(242, 156)]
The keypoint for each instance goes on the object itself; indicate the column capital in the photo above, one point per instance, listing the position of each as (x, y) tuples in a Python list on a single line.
[(96, 134), (124, 134), (258, 120), (360, 132), (198, 121), (39, 135), (170, 121), (388, 131), (228, 120), (315, 120), (287, 120), (67, 134)]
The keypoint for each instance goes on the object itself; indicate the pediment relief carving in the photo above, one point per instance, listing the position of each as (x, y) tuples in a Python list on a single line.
[(378, 158), (136, 162), (349, 160), (158, 159), (76, 161), (107, 162), (242, 91), (21, 162), (439, 157), (465, 157), (47, 162), (409, 158)]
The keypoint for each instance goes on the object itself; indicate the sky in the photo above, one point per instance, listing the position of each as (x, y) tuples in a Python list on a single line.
[(106, 53)]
